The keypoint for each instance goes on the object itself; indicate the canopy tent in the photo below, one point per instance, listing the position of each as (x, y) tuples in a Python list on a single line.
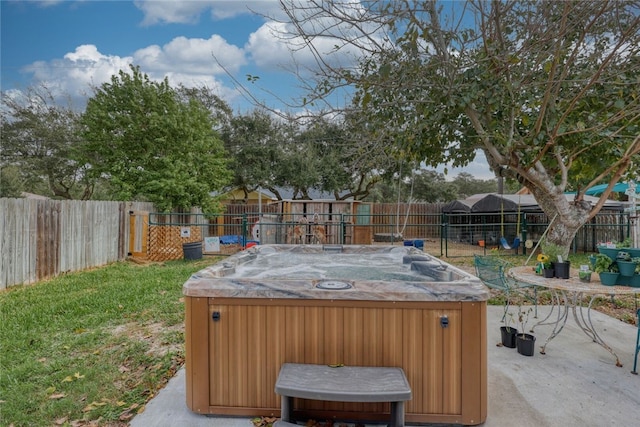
[(506, 203), (457, 206), (620, 187), (493, 219), (497, 203)]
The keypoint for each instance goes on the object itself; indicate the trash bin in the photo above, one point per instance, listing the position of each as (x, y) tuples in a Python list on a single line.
[(192, 250)]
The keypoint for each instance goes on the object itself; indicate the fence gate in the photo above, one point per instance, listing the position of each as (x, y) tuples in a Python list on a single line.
[(138, 234)]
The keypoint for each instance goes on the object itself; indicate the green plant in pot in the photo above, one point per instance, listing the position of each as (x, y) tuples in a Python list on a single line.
[(584, 274), (545, 265), (607, 269), (625, 264), (635, 279), (508, 333), (626, 243), (556, 256), (525, 343), (623, 256)]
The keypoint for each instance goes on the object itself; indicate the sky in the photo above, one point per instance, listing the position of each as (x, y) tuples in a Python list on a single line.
[(72, 46)]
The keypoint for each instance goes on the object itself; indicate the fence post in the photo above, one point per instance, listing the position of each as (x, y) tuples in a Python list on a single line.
[(484, 234), (443, 235), (523, 227), (244, 230), (628, 224)]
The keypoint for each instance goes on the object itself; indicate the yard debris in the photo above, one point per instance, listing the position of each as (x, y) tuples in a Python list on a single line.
[(61, 421), (264, 421)]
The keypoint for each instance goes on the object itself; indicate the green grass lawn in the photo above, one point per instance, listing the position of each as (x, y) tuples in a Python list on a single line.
[(91, 348)]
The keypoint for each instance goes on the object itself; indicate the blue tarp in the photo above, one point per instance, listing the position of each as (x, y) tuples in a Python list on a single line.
[(229, 240)]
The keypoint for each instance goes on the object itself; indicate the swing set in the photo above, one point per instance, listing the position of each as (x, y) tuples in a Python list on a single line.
[(503, 240)]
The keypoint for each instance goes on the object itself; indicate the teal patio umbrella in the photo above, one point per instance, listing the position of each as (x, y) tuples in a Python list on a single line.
[(620, 187)]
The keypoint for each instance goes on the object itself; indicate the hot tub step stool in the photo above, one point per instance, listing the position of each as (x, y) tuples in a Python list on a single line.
[(342, 384)]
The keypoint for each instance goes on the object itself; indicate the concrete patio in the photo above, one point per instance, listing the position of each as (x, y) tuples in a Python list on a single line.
[(575, 384)]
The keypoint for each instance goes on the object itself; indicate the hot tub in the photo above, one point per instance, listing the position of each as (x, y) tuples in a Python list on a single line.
[(355, 305)]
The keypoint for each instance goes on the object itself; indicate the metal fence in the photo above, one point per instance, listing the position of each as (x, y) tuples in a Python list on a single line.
[(449, 235)]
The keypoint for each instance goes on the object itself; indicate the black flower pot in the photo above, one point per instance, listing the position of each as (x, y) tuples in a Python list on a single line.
[(525, 344), (561, 269), (548, 272), (508, 335)]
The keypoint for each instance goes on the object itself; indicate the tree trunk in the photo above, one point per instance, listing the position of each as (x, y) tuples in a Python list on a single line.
[(566, 216)]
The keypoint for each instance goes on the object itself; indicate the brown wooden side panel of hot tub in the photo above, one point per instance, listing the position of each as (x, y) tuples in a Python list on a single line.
[(446, 367)]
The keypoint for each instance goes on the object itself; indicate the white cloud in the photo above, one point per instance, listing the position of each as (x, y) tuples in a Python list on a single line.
[(266, 49), (188, 12), (273, 45), (171, 12), (186, 61), (191, 56), (77, 71)]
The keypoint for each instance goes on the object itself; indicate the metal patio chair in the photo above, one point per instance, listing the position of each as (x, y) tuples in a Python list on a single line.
[(493, 273)]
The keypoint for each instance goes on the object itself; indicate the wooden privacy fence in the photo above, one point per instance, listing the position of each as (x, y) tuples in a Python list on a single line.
[(43, 238), (40, 239)]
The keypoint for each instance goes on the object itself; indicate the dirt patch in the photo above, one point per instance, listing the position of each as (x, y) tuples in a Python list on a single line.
[(154, 334)]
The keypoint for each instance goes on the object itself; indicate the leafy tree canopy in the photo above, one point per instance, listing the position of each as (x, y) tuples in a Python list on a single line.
[(150, 143), (39, 145), (548, 90)]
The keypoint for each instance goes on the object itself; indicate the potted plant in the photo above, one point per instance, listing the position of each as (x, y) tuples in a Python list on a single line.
[(508, 333), (546, 268), (635, 279), (584, 274), (555, 253), (626, 243), (625, 265), (607, 269), (525, 343), (609, 249)]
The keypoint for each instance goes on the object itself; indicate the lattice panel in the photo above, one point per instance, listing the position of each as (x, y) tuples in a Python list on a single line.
[(165, 241)]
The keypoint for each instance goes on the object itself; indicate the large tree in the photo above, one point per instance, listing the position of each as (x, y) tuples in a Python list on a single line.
[(548, 90), (340, 167), (255, 142), (314, 154), (151, 143), (39, 144)]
